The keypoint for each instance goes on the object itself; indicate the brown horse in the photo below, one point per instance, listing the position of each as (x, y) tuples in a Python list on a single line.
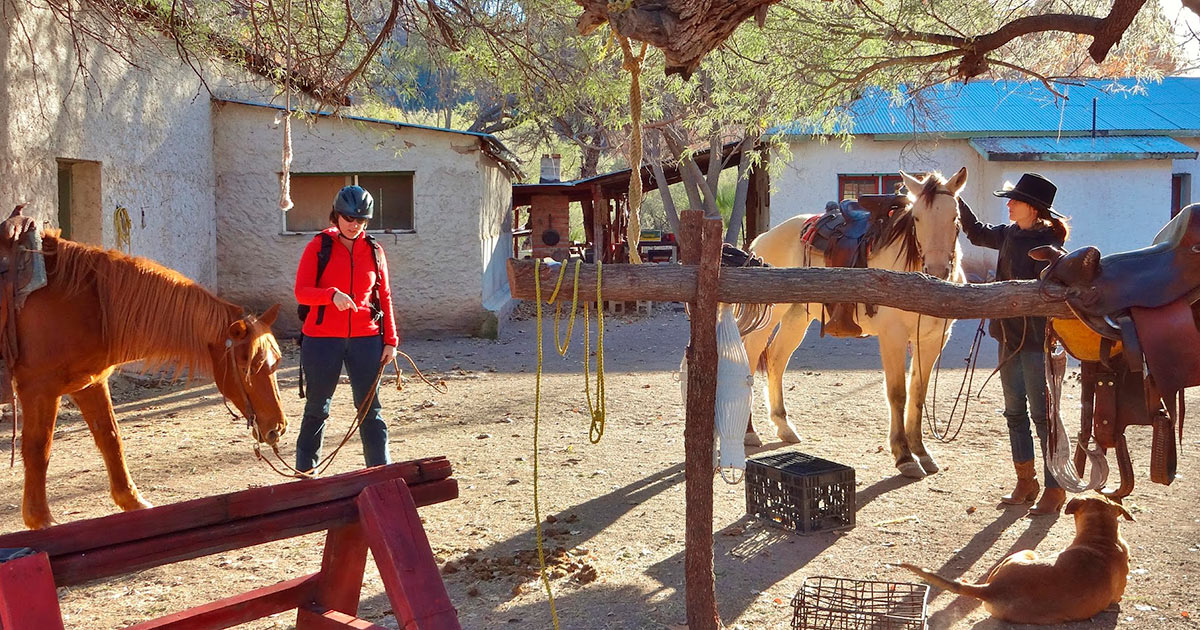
[(101, 309)]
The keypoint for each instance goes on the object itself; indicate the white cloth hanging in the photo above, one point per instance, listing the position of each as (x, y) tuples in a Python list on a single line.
[(735, 392)]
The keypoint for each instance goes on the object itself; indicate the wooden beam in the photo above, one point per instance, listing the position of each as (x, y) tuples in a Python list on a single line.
[(239, 609), (704, 247), (909, 291)]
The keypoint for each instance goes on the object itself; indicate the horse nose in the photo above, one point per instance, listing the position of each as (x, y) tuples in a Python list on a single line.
[(938, 271), (273, 435)]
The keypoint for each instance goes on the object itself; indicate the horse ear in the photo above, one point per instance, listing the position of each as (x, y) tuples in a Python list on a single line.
[(958, 181), (268, 317), (238, 329), (911, 183)]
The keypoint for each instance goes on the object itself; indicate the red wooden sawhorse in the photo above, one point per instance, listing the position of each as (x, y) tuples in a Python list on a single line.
[(372, 509)]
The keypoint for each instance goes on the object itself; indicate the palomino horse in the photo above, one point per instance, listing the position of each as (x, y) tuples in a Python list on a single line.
[(100, 309), (921, 238)]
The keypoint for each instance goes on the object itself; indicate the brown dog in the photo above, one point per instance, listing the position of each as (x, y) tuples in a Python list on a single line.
[(1076, 583)]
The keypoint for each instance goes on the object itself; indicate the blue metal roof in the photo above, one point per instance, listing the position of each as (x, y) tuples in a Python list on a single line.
[(1077, 149), (1123, 107)]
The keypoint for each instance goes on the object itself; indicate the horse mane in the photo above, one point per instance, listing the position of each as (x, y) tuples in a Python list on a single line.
[(147, 311), (902, 225)]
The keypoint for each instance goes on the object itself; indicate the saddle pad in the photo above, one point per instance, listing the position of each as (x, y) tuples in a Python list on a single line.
[(1171, 344), (1081, 342)]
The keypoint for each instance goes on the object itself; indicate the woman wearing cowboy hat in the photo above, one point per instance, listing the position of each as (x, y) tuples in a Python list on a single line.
[(1022, 366)]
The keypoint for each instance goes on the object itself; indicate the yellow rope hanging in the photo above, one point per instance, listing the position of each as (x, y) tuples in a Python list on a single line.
[(562, 346), (599, 411), (123, 227), (537, 408), (634, 66)]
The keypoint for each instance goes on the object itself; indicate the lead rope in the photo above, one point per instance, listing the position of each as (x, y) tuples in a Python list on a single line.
[(325, 462), (537, 409), (598, 412), (964, 387)]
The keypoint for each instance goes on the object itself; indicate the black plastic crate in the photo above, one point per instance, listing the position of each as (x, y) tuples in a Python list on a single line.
[(833, 603), (800, 492)]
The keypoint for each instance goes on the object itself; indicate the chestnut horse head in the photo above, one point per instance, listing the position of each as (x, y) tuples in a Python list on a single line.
[(244, 365), (100, 309)]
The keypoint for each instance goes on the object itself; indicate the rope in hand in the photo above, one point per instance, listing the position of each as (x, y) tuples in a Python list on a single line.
[(361, 414), (537, 408)]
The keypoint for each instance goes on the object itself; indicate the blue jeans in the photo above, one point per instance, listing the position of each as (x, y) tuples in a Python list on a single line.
[(1023, 378), (322, 359)]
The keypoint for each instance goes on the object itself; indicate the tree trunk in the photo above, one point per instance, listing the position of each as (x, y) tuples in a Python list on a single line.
[(738, 213)]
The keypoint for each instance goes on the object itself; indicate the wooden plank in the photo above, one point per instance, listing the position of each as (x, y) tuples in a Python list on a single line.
[(909, 291), (239, 609), (28, 599), (321, 619), (81, 536), (342, 566), (406, 564), (75, 568), (698, 428)]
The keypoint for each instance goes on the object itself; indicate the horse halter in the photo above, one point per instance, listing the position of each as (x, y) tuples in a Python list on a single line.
[(251, 415), (957, 229)]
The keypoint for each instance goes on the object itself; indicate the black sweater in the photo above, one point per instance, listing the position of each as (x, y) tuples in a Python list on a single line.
[(1013, 263)]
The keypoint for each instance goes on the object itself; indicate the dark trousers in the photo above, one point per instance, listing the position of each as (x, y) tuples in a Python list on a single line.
[(323, 358), (1023, 378)]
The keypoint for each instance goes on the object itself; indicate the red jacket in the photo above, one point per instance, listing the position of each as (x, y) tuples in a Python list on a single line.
[(354, 275)]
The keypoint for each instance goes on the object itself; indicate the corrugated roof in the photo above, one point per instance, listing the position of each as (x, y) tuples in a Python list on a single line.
[(1085, 149), (1123, 107)]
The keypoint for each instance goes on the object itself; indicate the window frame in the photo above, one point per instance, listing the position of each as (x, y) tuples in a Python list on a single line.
[(351, 179)]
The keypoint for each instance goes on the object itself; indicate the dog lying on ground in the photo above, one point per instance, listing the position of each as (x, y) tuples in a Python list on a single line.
[(1074, 584)]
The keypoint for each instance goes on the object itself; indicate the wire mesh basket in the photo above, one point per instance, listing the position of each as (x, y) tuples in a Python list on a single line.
[(835, 603)]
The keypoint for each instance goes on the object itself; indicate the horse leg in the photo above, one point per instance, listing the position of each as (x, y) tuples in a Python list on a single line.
[(96, 405), (37, 433), (792, 327), (893, 353), (928, 350), (756, 343)]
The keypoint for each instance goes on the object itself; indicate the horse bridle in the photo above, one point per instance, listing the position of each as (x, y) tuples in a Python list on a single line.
[(957, 228), (251, 415)]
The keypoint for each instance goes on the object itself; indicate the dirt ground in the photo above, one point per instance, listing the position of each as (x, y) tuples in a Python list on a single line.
[(617, 506)]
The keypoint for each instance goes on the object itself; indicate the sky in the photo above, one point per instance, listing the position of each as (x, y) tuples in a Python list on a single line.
[(1186, 22)]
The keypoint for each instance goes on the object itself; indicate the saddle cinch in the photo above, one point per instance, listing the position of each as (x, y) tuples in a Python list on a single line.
[(845, 235), (1141, 345)]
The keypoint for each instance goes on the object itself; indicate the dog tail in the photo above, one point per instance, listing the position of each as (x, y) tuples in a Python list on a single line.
[(978, 591)]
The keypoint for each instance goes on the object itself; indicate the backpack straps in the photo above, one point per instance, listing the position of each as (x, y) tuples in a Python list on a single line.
[(323, 256)]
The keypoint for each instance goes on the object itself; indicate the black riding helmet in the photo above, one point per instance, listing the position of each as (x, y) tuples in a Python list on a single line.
[(354, 202)]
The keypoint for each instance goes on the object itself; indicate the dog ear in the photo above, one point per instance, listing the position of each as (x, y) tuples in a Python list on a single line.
[(1073, 506), (1120, 509)]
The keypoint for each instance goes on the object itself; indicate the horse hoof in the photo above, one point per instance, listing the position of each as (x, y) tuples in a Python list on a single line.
[(788, 434), (752, 439), (928, 465), (911, 469)]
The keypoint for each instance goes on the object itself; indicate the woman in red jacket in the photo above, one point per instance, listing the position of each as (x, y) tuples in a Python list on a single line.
[(349, 323)]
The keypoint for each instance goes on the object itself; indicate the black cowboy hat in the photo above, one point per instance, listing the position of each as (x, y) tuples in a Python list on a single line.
[(1034, 190)]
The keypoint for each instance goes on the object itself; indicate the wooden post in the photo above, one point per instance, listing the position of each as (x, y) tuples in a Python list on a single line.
[(599, 221), (28, 598), (703, 248)]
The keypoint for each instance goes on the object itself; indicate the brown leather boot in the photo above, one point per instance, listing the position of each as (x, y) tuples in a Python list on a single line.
[(1027, 485), (1051, 502)]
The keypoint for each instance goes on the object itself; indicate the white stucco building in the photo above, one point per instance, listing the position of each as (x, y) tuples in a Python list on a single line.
[(1119, 183), (94, 135)]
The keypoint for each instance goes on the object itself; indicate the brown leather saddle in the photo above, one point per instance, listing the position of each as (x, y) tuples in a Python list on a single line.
[(1142, 307), (845, 235), (22, 271)]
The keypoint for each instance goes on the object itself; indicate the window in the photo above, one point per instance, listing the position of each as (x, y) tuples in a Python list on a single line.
[(1181, 191), (852, 186), (313, 194)]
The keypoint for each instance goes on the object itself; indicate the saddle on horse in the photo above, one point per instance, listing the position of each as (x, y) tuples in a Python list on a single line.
[(845, 235), (1141, 348)]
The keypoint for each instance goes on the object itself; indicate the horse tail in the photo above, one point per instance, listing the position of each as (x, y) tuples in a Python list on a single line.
[(978, 591), (751, 317)]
